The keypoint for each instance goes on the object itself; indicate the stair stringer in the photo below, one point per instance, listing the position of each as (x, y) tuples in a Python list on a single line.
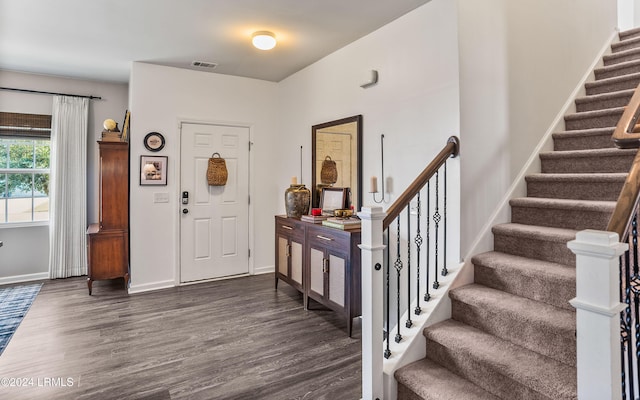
[(413, 346)]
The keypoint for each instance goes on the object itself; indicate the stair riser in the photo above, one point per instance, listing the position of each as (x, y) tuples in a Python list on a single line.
[(589, 122), (477, 372), (618, 58), (602, 104), (576, 218), (537, 249), (604, 73), (630, 34), (627, 44), (599, 141), (550, 291), (544, 339), (608, 191), (576, 165), (600, 87), (404, 393)]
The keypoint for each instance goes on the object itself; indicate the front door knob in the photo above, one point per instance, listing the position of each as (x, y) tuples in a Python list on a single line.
[(185, 211)]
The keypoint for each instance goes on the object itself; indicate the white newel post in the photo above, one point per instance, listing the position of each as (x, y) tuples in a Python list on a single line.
[(598, 314), (372, 253)]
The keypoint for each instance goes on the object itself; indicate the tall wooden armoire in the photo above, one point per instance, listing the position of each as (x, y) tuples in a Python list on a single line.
[(108, 240)]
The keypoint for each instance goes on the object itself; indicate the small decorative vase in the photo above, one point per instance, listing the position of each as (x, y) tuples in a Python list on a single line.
[(296, 200)]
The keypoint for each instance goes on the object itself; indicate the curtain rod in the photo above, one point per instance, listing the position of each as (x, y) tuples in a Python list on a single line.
[(53, 93)]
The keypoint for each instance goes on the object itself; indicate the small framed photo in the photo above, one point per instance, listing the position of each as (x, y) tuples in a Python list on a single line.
[(153, 170), (333, 198)]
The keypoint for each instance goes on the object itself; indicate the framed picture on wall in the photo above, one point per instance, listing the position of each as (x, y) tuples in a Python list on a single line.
[(153, 170), (333, 198)]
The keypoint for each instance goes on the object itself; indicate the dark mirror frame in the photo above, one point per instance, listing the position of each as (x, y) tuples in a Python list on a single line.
[(356, 195)]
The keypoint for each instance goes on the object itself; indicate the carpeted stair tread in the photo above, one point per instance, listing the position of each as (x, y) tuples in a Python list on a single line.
[(605, 100), (628, 34), (426, 380), (536, 242), (629, 81), (608, 117), (543, 281), (623, 68), (498, 366), (576, 186), (583, 139), (562, 213), (628, 43), (621, 56), (610, 160), (536, 326)]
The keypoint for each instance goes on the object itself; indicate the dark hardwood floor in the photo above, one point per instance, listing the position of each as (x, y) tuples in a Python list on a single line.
[(231, 339)]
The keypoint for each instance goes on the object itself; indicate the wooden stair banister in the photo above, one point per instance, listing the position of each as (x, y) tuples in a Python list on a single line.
[(452, 149), (627, 136)]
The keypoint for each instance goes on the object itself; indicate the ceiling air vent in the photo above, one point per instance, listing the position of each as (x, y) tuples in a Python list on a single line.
[(203, 64)]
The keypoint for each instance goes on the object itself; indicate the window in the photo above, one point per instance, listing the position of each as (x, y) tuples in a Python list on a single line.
[(24, 167)]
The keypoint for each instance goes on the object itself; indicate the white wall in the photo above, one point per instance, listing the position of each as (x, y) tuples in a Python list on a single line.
[(626, 14), (414, 104), (26, 250), (162, 96), (519, 62)]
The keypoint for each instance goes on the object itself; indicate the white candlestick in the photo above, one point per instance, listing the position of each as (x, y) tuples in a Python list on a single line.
[(294, 180), (374, 185)]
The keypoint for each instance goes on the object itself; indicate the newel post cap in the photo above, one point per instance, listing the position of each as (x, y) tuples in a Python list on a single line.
[(599, 244), (371, 213)]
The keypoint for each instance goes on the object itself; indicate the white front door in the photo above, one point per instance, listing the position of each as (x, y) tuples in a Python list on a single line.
[(214, 228)]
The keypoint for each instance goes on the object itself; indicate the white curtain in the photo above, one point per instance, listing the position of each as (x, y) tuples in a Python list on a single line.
[(68, 187)]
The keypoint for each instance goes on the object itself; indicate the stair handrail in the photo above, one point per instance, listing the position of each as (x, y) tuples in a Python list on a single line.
[(627, 136), (627, 132), (451, 150)]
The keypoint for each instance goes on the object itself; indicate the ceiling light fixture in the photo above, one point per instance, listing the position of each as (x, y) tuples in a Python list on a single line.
[(263, 40)]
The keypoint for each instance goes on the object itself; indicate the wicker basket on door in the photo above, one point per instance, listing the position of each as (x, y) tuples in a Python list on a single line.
[(217, 170)]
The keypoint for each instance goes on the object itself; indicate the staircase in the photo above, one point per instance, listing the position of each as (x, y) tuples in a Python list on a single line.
[(512, 332)]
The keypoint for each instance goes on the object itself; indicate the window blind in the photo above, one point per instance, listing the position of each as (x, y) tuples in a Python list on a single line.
[(25, 125)]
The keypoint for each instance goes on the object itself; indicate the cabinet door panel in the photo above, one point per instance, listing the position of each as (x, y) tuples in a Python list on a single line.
[(336, 279), (317, 274), (296, 262), (282, 256)]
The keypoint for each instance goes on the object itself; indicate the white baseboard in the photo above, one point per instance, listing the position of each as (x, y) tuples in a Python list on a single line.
[(147, 287), (268, 269), (24, 278)]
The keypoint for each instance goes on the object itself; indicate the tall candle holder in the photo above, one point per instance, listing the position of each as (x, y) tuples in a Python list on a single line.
[(374, 183)]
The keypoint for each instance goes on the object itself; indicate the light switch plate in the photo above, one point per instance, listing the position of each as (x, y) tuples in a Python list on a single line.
[(162, 197)]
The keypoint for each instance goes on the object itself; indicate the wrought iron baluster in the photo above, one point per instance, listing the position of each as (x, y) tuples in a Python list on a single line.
[(418, 242), (445, 271), (623, 332), (635, 289), (409, 323), (436, 219), (627, 321), (427, 296), (398, 266), (387, 351)]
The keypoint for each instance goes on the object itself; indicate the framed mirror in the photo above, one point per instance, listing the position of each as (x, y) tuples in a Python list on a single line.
[(337, 146)]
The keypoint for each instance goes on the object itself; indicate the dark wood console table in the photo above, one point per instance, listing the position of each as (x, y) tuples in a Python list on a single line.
[(322, 263)]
